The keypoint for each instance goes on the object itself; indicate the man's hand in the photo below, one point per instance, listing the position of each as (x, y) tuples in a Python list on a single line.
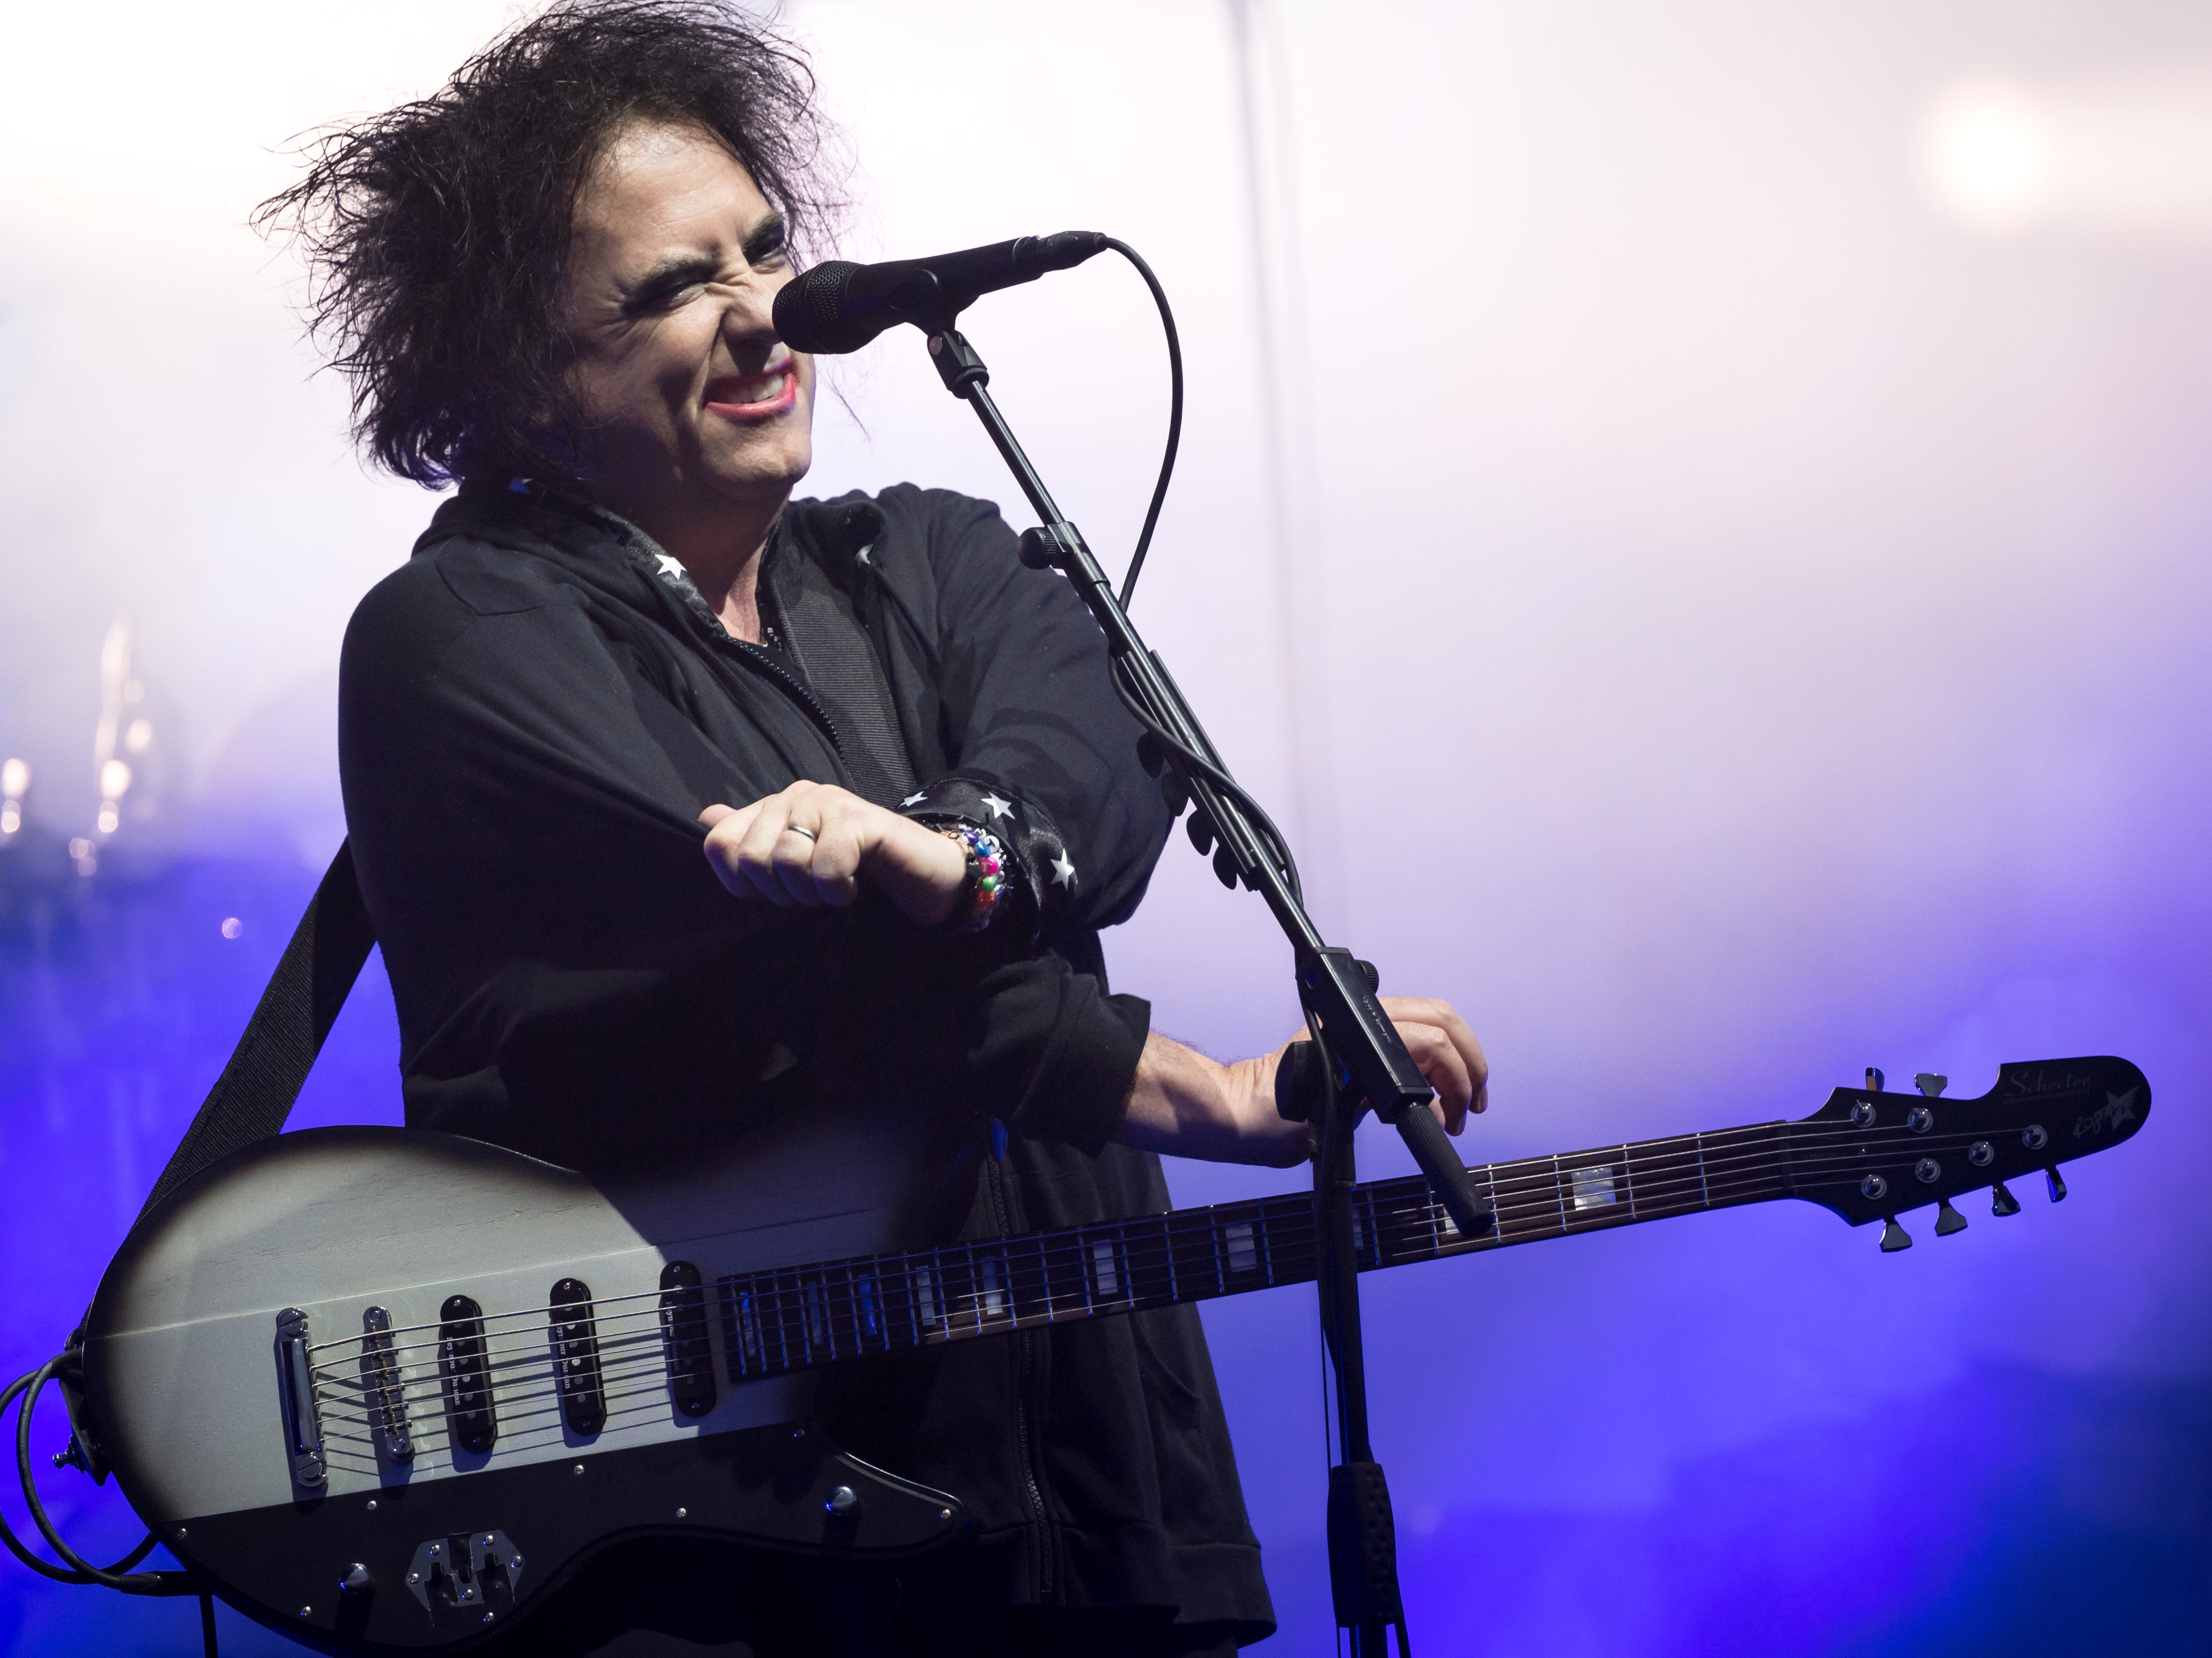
[(1190, 1106), (813, 844)]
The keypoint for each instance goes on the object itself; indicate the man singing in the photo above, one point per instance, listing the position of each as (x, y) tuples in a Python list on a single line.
[(682, 807)]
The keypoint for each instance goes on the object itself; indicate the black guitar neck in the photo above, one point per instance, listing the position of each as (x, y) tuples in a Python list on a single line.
[(1866, 1155)]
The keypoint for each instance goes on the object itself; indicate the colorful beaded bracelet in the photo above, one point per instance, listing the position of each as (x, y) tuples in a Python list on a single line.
[(978, 894)]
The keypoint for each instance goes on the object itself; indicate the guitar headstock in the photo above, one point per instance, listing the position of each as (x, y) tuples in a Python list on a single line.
[(1869, 1153)]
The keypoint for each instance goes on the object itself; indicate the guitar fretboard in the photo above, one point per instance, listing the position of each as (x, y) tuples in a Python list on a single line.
[(778, 1321)]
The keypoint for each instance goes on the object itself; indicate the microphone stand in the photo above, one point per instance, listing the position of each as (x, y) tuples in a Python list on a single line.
[(1364, 1064)]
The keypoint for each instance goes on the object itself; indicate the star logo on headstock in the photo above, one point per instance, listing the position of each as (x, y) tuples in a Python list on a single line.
[(2117, 1111)]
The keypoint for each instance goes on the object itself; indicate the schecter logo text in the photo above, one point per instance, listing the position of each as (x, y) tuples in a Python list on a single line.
[(2046, 1082)]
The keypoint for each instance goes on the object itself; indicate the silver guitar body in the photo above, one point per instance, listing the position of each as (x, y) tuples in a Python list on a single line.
[(336, 1480)]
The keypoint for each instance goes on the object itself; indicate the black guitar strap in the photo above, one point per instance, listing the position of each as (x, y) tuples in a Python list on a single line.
[(258, 1088), (267, 1069)]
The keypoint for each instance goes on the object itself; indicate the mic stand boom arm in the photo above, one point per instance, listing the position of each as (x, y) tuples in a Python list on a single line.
[(1365, 1065)]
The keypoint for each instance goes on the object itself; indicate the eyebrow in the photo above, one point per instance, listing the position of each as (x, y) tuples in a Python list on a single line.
[(676, 270)]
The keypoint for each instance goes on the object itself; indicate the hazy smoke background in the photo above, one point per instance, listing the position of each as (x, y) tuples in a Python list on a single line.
[(1724, 601)]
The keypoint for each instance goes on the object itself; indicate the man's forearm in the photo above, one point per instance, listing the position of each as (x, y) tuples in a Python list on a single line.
[(1186, 1105)]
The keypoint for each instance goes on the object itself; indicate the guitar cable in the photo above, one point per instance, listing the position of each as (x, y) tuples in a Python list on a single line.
[(67, 1367)]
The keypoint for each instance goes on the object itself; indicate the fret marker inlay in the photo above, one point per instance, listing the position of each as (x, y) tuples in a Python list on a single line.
[(1594, 1186)]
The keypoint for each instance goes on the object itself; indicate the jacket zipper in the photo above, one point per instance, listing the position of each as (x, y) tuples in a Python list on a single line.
[(1025, 1349), (757, 657)]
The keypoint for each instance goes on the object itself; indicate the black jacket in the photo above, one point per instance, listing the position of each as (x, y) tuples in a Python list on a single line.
[(532, 713)]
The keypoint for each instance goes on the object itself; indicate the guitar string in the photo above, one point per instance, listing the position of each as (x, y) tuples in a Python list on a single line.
[(654, 1392), (832, 1319), (1027, 1270), (645, 1382), (1721, 1175), (1015, 1259), (1725, 1170), (1393, 1224), (354, 1441), (1420, 1227)]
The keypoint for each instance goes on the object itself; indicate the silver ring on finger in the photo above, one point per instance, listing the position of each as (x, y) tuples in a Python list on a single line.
[(794, 829)]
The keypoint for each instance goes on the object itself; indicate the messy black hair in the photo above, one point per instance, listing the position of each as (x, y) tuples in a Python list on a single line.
[(434, 234)]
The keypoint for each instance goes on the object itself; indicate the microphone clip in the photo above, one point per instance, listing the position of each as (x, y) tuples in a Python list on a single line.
[(957, 364)]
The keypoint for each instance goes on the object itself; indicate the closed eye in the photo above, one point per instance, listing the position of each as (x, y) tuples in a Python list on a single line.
[(662, 285), (769, 241), (667, 282)]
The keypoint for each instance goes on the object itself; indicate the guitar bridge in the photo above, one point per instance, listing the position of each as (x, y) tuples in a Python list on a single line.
[(381, 1387), (295, 1390)]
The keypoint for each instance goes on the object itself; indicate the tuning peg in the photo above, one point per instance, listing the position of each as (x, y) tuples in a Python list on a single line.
[(2058, 1185), (1929, 1083), (2002, 1202), (1893, 1236), (1874, 1079), (1947, 1219)]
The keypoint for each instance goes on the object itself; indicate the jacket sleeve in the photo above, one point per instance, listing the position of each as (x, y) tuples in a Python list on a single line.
[(521, 803), (1040, 748)]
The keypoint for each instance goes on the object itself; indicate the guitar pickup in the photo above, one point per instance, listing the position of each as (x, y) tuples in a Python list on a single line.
[(684, 1337), (464, 1371), (382, 1388), (576, 1358)]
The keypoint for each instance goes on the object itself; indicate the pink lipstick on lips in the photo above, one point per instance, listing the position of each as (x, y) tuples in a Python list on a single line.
[(756, 397)]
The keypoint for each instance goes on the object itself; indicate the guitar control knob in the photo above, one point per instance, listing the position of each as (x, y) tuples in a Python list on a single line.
[(2058, 1185), (2002, 1202), (355, 1580), (843, 1503), (1893, 1236), (1948, 1220)]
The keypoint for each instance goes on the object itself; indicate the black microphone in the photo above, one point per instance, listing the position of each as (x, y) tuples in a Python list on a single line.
[(839, 306)]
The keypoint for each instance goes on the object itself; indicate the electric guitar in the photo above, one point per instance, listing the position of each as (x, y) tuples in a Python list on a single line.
[(385, 1388)]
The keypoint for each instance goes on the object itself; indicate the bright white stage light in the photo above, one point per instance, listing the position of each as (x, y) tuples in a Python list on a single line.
[(1988, 152), (2128, 157)]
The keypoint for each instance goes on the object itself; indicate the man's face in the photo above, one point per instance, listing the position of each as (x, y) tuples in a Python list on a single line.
[(694, 406)]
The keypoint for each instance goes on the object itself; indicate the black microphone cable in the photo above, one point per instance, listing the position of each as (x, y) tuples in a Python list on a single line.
[(1175, 414)]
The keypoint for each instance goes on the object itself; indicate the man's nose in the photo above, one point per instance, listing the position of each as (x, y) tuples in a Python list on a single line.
[(748, 314)]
